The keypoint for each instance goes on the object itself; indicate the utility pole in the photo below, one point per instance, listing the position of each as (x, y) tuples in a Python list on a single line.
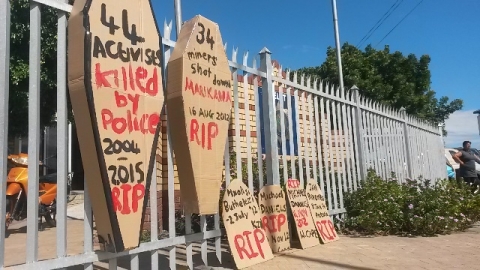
[(337, 43), (178, 15)]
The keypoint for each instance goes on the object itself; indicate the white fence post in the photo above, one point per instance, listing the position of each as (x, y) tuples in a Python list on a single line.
[(4, 96), (333, 111), (359, 133), (406, 138), (269, 118), (33, 131)]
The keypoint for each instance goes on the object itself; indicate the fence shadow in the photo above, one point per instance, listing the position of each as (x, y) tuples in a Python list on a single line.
[(145, 259)]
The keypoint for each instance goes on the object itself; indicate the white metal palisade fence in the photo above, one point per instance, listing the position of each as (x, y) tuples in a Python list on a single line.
[(338, 136)]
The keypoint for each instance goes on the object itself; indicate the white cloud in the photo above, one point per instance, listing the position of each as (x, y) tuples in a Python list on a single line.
[(462, 126)]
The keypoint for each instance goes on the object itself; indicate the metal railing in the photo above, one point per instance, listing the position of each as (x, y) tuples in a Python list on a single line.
[(284, 126)]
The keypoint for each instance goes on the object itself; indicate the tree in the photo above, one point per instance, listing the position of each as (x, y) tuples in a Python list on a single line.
[(392, 78), (19, 67)]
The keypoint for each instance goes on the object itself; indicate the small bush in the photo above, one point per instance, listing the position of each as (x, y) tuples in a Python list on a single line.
[(386, 207)]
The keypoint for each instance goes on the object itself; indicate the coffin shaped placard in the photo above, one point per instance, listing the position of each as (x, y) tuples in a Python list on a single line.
[(116, 89), (298, 203), (318, 208), (199, 106), (241, 217), (273, 210)]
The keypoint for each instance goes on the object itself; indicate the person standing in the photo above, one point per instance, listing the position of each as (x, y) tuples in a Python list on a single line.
[(467, 160)]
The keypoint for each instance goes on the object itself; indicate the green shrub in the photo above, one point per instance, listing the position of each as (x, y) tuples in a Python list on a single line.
[(413, 208)]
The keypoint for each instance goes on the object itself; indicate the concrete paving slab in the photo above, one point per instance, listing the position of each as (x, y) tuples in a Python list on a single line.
[(455, 251)]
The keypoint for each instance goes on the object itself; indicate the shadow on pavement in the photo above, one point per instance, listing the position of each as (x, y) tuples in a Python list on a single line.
[(330, 263), (21, 228), (181, 259)]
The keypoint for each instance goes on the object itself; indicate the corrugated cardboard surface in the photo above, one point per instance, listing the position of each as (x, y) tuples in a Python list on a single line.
[(241, 216), (307, 233), (115, 82), (273, 210), (319, 210), (199, 112)]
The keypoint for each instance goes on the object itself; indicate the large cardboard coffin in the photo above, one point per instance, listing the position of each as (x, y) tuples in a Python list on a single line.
[(199, 107), (115, 83)]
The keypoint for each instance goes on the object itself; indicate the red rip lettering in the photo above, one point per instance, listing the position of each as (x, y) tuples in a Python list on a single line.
[(326, 229), (126, 197), (208, 132), (273, 223), (293, 183), (245, 247)]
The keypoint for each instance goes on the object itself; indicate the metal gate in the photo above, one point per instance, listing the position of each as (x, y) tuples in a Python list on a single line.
[(157, 249), (283, 126)]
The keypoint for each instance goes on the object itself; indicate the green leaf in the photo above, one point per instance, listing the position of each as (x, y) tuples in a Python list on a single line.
[(19, 67), (389, 77)]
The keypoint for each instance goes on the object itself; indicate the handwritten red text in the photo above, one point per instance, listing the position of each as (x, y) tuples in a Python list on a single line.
[(207, 91), (326, 229), (301, 216), (293, 183), (139, 80), (203, 133), (273, 223), (245, 247), (126, 197)]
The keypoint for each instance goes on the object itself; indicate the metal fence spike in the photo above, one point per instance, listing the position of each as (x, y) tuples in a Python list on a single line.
[(336, 131), (245, 58)]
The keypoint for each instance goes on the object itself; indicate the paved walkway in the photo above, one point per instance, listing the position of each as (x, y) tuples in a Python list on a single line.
[(456, 251)]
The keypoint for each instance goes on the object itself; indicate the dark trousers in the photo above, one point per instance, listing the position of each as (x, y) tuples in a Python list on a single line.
[(472, 181)]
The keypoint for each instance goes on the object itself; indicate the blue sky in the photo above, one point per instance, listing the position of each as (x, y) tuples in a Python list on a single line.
[(299, 32)]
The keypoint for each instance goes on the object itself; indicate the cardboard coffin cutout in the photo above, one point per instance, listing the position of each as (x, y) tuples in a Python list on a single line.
[(241, 217), (199, 106), (116, 89), (307, 233), (273, 209), (318, 208)]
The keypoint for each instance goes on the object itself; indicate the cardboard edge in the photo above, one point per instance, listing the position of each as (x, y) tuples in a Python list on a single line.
[(181, 46), (117, 236), (267, 257), (177, 58), (153, 153), (76, 87), (162, 60), (337, 237), (189, 27), (295, 222), (189, 187), (286, 213), (148, 181)]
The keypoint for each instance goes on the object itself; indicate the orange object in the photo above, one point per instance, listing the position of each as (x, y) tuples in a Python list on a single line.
[(17, 192)]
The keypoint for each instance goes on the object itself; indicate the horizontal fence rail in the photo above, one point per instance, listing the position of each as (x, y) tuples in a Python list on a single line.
[(284, 125)]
